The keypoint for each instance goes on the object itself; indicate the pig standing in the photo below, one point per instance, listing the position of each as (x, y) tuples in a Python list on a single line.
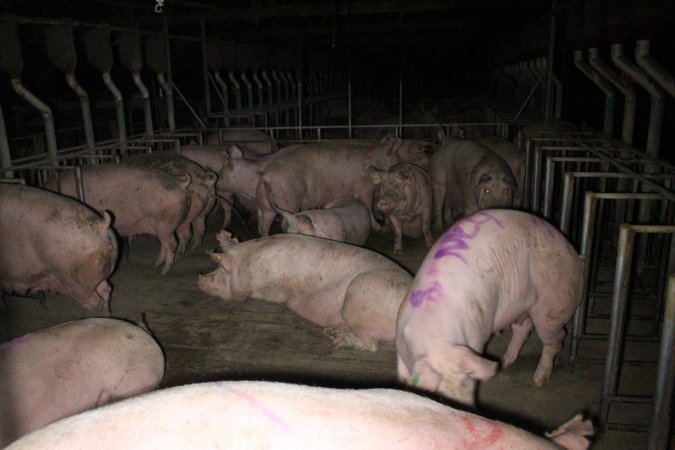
[(346, 220), (467, 177), (264, 415), (51, 242), (201, 190), (311, 175), (353, 291), (69, 368), (514, 157), (404, 195), (143, 201), (252, 142), (492, 270), (239, 176)]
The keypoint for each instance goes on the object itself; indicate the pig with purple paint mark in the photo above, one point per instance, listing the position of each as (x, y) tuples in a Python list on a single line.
[(493, 270), (264, 415)]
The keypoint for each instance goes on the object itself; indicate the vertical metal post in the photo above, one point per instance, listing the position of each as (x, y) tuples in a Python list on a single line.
[(205, 71), (618, 318), (659, 430), (46, 112), (567, 198), (86, 110), (300, 99), (119, 108), (168, 90), (579, 320), (5, 155), (548, 106)]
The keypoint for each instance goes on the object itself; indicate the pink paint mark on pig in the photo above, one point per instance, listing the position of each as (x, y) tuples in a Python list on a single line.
[(455, 238), (260, 407), (478, 441), (17, 342), (419, 296), (432, 270)]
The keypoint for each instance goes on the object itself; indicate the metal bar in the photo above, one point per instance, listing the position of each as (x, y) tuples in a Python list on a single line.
[(119, 107), (86, 110), (45, 111), (660, 427), (5, 155), (205, 70), (653, 68), (618, 321), (194, 113), (605, 86), (147, 104), (166, 84), (529, 96)]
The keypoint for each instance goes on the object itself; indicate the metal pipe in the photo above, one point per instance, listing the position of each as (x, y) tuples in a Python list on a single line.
[(223, 86), (249, 90), (260, 88), (119, 107), (5, 154), (205, 69), (399, 129), (290, 88), (659, 429), (605, 86), (657, 98), (278, 83), (194, 113), (237, 90), (168, 83), (86, 110), (46, 112), (269, 87), (168, 91), (653, 68), (300, 99), (548, 102), (529, 96), (147, 105), (627, 89)]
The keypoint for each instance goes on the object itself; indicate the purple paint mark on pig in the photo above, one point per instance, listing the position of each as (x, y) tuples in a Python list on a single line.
[(16, 342), (260, 407), (417, 297), (454, 240)]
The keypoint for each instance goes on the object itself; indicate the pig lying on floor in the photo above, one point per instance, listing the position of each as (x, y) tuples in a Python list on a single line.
[(261, 415), (69, 368), (353, 291)]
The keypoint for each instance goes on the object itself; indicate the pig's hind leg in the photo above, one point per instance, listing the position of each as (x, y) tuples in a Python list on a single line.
[(520, 330), (549, 328)]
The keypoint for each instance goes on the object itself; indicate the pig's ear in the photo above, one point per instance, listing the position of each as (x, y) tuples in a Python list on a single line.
[(440, 135), (306, 221), (407, 175), (375, 174), (225, 239), (474, 365), (211, 178), (235, 152), (107, 220), (288, 217), (225, 260), (225, 158), (184, 180)]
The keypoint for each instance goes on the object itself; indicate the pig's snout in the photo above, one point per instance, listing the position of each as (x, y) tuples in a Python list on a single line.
[(495, 197), (383, 205)]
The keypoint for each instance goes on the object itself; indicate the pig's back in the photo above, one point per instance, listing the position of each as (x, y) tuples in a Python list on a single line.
[(232, 415)]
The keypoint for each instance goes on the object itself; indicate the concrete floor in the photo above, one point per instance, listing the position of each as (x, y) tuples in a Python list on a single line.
[(206, 339)]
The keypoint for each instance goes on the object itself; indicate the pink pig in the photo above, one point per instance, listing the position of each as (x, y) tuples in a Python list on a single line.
[(69, 368), (263, 415), (492, 270)]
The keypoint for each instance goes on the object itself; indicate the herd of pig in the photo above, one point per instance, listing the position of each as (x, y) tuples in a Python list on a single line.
[(493, 269)]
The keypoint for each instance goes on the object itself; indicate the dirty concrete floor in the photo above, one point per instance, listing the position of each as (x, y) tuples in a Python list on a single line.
[(206, 339)]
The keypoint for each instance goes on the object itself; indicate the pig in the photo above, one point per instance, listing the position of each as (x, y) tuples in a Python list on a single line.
[(267, 415), (354, 292), (468, 177), (209, 157), (254, 143), (404, 195), (142, 200), (201, 190), (492, 270), (239, 176), (52, 242), (514, 157), (69, 368), (311, 175), (346, 220)]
